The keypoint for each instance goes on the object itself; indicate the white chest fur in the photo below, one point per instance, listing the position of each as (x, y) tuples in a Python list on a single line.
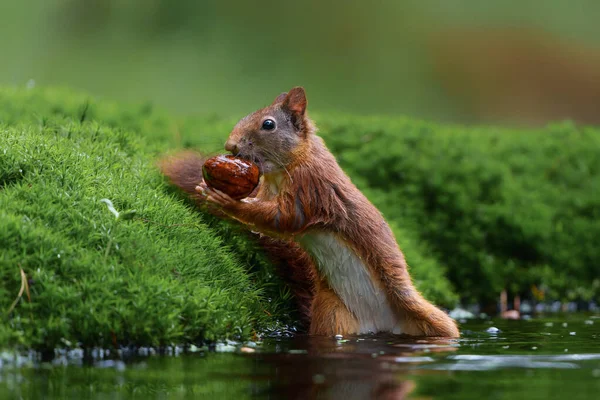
[(348, 276)]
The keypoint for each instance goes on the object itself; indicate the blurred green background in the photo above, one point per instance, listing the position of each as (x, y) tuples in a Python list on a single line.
[(467, 61), (512, 209)]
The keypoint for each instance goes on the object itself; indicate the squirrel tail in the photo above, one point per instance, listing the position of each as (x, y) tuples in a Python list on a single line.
[(184, 169)]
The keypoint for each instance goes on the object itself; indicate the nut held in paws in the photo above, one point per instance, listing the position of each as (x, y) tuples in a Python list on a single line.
[(231, 175)]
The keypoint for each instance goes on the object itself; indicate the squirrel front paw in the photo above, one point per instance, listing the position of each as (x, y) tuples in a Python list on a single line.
[(215, 196)]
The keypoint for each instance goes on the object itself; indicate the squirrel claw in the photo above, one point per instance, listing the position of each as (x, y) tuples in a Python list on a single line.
[(214, 196), (220, 198), (202, 189)]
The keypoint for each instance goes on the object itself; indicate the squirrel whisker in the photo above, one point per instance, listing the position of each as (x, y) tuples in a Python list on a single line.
[(276, 160)]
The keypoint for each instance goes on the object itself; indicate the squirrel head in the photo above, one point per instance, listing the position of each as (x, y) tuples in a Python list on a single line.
[(271, 136)]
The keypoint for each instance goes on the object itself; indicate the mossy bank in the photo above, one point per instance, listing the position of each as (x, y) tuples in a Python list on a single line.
[(488, 208), (160, 273)]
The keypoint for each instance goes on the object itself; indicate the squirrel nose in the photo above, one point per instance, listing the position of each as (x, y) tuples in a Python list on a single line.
[(232, 147)]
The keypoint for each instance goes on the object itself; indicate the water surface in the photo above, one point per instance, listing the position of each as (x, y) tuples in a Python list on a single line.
[(545, 358)]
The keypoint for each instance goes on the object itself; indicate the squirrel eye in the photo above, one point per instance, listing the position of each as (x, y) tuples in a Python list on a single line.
[(268, 125)]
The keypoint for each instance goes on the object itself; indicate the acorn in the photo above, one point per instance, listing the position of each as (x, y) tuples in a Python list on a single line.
[(231, 175)]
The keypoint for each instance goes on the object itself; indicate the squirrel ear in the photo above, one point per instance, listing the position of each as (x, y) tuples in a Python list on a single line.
[(279, 98), (295, 101)]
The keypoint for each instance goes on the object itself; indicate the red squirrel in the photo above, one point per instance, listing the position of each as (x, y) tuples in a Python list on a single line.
[(340, 242)]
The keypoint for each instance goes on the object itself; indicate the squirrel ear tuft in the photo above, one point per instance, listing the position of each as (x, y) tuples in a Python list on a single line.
[(295, 101), (279, 98)]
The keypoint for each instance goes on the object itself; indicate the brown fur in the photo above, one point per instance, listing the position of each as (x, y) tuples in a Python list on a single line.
[(329, 314), (295, 267), (304, 189), (184, 170)]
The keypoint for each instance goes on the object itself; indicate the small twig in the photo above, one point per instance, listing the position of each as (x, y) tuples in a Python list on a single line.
[(84, 111), (108, 246), (24, 288), (24, 280)]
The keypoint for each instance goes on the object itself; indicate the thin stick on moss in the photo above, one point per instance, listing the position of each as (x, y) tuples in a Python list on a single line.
[(24, 288)]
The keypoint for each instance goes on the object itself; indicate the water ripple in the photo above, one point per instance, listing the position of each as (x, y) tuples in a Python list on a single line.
[(469, 362)]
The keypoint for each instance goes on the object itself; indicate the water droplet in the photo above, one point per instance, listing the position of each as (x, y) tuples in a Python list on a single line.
[(247, 350)]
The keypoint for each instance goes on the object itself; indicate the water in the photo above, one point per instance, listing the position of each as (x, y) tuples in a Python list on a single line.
[(529, 359)]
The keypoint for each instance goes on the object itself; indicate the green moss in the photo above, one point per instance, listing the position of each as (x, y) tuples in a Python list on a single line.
[(167, 275)]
